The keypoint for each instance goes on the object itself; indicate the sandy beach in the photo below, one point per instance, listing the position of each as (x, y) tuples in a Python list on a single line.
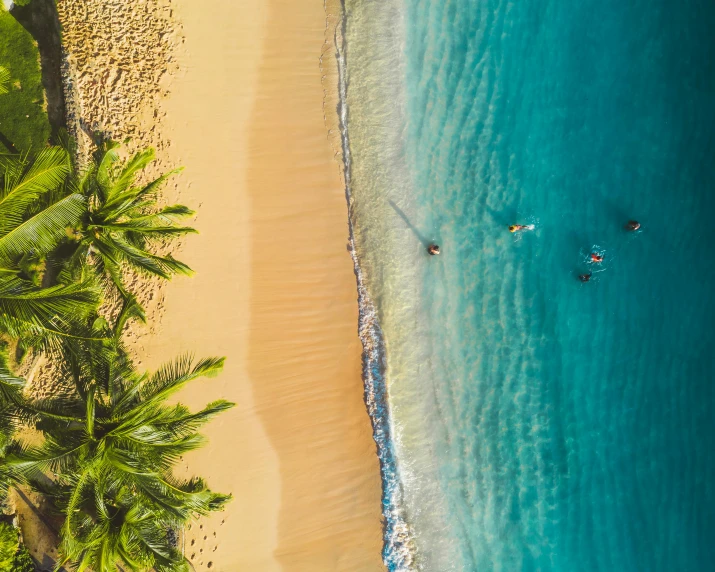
[(236, 93), (274, 292)]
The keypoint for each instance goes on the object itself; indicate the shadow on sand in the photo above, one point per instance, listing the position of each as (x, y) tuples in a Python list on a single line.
[(47, 562)]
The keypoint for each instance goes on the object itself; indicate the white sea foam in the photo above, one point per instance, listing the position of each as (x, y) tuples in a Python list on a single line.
[(389, 256), (398, 551)]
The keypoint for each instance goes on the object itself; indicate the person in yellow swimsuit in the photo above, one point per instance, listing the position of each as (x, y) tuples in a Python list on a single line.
[(519, 227)]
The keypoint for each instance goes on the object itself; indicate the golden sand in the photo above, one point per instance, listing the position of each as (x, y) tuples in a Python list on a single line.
[(274, 292), (235, 93)]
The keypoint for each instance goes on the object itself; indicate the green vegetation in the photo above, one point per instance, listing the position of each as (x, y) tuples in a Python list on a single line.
[(23, 120), (123, 223), (106, 444), (110, 441), (110, 449), (14, 556), (99, 225), (9, 542), (28, 237), (4, 81), (23, 561)]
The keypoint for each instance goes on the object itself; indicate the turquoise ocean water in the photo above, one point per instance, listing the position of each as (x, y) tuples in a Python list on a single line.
[(527, 421)]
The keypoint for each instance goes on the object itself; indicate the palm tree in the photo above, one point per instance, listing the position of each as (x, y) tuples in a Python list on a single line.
[(108, 452), (123, 223), (4, 80), (27, 236), (11, 403), (123, 528)]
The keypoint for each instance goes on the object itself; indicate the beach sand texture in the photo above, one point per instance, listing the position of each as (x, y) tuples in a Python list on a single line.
[(234, 92), (274, 292)]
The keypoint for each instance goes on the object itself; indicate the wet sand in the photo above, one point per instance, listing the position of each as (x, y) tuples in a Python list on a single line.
[(274, 292)]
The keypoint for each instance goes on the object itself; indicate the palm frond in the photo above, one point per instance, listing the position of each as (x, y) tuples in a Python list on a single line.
[(51, 457), (130, 309), (129, 172), (132, 198), (4, 80), (173, 376), (179, 421), (82, 183), (175, 211), (25, 308), (149, 229), (56, 409), (44, 231), (163, 266), (46, 172), (10, 388), (123, 221), (106, 159), (152, 188)]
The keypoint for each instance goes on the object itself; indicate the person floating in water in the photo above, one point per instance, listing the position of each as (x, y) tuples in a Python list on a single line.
[(433, 249), (633, 225), (585, 277), (519, 227), (596, 257)]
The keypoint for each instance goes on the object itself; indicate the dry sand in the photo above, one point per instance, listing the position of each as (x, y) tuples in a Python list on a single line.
[(234, 91), (274, 290)]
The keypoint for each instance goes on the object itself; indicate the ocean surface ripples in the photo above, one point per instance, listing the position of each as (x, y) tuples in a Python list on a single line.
[(538, 423)]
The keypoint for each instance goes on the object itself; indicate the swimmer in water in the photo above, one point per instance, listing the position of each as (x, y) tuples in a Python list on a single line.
[(633, 225), (518, 227), (596, 257), (433, 249), (585, 277)]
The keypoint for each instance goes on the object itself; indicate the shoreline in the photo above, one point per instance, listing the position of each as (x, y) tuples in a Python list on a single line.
[(249, 108), (345, 533), (297, 452), (398, 550)]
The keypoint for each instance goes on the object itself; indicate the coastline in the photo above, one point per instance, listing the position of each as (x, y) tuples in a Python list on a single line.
[(239, 105), (274, 292), (520, 417), (398, 550)]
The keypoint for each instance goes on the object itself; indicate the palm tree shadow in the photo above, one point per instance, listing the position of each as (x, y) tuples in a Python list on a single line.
[(421, 237), (41, 20), (47, 563), (38, 513), (9, 145)]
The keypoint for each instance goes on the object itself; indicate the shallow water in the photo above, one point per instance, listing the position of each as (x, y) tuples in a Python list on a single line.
[(540, 423)]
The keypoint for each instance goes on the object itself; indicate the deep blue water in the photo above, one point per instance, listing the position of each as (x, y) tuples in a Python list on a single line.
[(560, 426)]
